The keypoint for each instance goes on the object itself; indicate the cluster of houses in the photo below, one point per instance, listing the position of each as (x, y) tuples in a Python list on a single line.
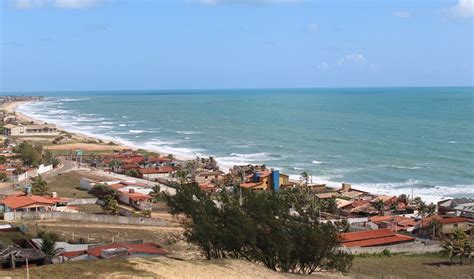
[(18, 250)]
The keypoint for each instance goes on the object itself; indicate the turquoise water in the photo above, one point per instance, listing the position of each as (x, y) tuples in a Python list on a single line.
[(379, 139)]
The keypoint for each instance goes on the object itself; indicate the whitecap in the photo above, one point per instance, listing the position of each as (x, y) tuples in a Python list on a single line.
[(187, 132), (317, 162), (452, 142), (136, 131)]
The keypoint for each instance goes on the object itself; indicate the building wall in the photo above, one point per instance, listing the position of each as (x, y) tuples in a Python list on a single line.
[(450, 228)]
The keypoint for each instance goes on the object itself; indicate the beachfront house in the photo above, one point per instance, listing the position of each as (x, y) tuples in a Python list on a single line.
[(265, 180), (30, 130)]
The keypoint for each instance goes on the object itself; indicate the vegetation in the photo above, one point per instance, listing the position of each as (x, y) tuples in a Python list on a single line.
[(102, 191), (133, 173), (110, 206), (262, 229), (379, 205), (30, 154), (3, 177), (39, 186), (156, 193), (48, 244), (457, 244), (3, 160)]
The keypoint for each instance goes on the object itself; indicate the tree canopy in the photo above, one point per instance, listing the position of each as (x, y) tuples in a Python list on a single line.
[(262, 229)]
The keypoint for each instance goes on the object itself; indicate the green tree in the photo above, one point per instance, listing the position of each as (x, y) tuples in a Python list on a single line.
[(39, 186), (304, 177), (110, 206), (379, 205), (260, 229), (422, 209), (156, 193), (102, 191), (3, 160), (30, 154), (3, 177), (133, 173), (48, 245)]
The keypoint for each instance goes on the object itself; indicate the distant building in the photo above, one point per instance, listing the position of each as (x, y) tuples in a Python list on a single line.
[(265, 180), (30, 130), (30, 203)]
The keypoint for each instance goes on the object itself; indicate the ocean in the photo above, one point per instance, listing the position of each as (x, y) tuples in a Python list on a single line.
[(383, 140)]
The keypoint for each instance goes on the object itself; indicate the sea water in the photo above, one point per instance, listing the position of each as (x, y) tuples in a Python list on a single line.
[(384, 140)]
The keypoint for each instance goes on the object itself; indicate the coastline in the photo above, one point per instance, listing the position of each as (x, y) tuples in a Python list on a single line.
[(125, 144), (88, 144)]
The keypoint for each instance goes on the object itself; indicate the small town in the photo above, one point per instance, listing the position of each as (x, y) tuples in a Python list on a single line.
[(69, 198)]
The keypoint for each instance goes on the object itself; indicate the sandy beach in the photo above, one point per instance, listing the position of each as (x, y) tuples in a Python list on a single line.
[(84, 142)]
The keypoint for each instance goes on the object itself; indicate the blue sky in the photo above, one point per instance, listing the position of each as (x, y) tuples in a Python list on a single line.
[(55, 45)]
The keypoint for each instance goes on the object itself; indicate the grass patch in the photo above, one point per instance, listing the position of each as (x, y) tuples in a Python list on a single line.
[(82, 269), (67, 184), (90, 208), (409, 266)]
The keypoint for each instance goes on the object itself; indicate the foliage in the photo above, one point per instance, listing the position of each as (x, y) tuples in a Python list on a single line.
[(379, 206), (49, 158), (262, 229), (146, 212), (3, 177), (133, 173), (102, 191), (110, 206), (39, 186), (48, 244), (3, 160), (156, 193), (30, 154), (457, 244), (386, 253)]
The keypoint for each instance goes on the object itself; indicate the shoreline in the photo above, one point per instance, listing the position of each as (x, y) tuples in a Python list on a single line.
[(13, 107)]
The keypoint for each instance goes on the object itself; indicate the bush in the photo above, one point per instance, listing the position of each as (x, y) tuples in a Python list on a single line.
[(386, 253), (261, 229)]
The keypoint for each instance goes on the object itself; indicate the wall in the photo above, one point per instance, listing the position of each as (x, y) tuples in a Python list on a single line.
[(82, 201), (414, 248), (17, 216), (42, 168)]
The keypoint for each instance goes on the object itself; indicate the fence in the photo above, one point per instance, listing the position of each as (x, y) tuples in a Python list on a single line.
[(412, 248), (87, 217), (82, 201), (32, 173)]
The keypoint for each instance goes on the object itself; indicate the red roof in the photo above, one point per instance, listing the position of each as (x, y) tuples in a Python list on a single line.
[(373, 238), (73, 254), (393, 239), (156, 170), (136, 196), (145, 248), (15, 202), (445, 220), (250, 184)]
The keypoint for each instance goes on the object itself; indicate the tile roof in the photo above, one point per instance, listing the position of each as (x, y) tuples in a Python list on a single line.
[(250, 184), (373, 238), (135, 196), (15, 202)]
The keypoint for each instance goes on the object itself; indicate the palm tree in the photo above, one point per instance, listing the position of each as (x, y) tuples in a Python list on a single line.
[(448, 249), (305, 177), (379, 205), (156, 193), (48, 245), (422, 209)]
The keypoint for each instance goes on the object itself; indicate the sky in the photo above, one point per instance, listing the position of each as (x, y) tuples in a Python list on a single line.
[(76, 45)]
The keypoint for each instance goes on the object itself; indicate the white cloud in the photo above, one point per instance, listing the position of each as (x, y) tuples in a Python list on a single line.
[(356, 58), (403, 14), (464, 9), (62, 4)]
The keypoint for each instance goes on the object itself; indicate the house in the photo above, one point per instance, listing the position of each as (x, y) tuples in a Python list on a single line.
[(448, 224), (347, 191), (137, 197), (16, 247), (30, 130), (154, 173), (393, 222), (265, 180), (373, 238), (462, 207), (30, 203), (208, 176), (116, 250)]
